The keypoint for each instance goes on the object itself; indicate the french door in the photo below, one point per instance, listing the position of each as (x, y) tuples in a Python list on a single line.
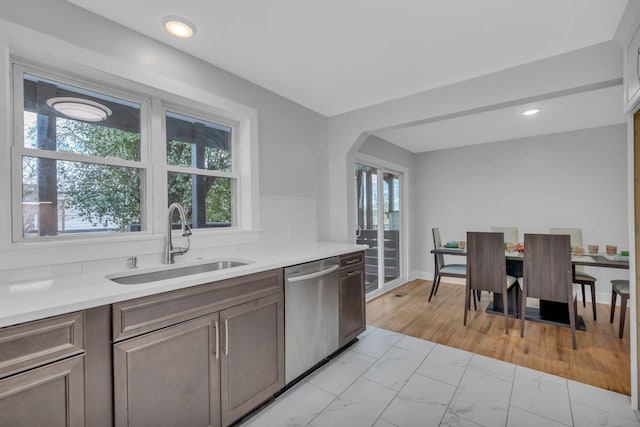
[(378, 223)]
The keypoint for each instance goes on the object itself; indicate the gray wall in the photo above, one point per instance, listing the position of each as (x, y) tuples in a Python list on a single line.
[(384, 150), (573, 179), (293, 139)]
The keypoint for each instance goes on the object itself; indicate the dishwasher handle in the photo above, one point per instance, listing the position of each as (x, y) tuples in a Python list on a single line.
[(313, 275)]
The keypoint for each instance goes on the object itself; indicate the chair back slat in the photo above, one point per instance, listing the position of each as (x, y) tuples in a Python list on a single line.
[(486, 265), (437, 243), (575, 237), (510, 233), (547, 266)]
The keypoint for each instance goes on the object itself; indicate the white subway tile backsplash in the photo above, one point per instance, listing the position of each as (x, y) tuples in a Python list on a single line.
[(286, 218), (40, 272)]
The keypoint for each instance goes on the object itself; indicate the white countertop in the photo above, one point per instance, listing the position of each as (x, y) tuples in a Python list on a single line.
[(39, 298)]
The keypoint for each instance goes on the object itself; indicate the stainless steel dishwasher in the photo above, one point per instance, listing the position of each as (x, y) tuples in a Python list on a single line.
[(311, 312)]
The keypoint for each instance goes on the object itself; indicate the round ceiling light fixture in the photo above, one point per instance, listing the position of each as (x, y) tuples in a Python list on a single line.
[(178, 26), (530, 112), (80, 109)]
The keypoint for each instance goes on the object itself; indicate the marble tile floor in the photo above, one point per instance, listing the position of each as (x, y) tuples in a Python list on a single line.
[(388, 379)]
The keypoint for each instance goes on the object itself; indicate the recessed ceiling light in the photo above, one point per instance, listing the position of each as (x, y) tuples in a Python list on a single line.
[(79, 108), (530, 112), (178, 26)]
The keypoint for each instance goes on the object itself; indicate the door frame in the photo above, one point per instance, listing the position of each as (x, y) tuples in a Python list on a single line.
[(633, 149), (403, 173)]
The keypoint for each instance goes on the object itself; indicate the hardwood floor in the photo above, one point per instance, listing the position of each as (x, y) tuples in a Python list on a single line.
[(601, 359)]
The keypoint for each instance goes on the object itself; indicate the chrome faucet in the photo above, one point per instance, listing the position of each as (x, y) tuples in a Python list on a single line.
[(169, 251)]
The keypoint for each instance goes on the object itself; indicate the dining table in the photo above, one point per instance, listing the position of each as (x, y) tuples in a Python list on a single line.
[(549, 311)]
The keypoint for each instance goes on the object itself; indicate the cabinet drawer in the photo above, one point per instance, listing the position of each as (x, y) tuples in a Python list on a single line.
[(32, 344), (350, 260), (355, 270), (137, 316)]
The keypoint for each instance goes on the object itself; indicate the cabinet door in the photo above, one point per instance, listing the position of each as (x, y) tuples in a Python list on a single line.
[(169, 377), (253, 355), (50, 396), (352, 306)]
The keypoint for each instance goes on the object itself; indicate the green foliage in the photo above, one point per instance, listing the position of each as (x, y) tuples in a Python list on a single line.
[(103, 195), (96, 140), (217, 191)]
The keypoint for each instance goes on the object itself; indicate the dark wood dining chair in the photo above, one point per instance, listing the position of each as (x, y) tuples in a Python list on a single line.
[(487, 270), (580, 277), (619, 287), (442, 269), (548, 274)]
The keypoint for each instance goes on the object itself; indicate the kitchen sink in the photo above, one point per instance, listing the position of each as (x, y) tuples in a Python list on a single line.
[(172, 273)]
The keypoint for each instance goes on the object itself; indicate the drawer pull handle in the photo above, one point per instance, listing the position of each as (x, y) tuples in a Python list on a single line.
[(352, 273), (226, 337), (217, 340), (352, 261)]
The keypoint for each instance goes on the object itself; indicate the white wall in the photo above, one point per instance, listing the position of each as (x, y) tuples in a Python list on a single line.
[(292, 140), (572, 179), (382, 149)]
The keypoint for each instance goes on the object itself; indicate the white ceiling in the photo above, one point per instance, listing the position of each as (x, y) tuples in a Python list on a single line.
[(334, 56), (595, 108)]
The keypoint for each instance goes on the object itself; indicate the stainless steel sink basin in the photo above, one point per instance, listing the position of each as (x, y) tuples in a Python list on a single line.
[(171, 273)]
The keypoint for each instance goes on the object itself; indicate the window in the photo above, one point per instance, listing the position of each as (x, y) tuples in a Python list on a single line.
[(200, 169), (78, 159), (82, 158)]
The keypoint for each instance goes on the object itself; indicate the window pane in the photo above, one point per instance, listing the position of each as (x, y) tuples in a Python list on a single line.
[(207, 199), (197, 143), (60, 117), (62, 197)]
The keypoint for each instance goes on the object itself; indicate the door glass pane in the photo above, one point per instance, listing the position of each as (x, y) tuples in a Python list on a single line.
[(366, 221), (391, 195)]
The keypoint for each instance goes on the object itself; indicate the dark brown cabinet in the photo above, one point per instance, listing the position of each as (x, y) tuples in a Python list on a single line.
[(42, 374), (169, 377), (203, 356), (352, 297), (253, 355)]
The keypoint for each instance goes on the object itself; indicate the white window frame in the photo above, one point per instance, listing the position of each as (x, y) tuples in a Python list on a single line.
[(18, 150)]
